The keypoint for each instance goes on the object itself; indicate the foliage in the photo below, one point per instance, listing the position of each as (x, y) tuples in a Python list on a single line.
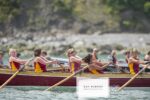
[(147, 8), (136, 5), (8, 9), (137, 10), (63, 5), (105, 13)]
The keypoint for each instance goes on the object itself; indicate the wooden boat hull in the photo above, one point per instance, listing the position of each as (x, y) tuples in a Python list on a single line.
[(49, 80)]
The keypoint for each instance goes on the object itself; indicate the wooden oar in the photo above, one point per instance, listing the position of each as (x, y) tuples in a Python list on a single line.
[(13, 76), (132, 78), (67, 78), (64, 80)]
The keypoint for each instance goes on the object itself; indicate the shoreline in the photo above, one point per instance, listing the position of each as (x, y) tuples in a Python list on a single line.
[(82, 43)]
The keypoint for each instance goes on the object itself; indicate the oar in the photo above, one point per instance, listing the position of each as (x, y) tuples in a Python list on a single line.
[(13, 76), (64, 80), (67, 78), (132, 78)]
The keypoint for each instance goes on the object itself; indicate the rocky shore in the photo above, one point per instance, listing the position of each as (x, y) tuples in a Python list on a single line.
[(57, 43)]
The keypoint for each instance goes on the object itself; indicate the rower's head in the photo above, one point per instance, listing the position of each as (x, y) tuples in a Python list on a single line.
[(113, 53), (88, 59), (127, 52), (71, 52), (44, 53), (95, 50), (134, 52), (37, 52), (1, 54), (12, 52), (148, 53)]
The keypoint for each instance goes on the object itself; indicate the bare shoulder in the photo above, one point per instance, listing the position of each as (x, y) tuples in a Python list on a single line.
[(11, 58), (37, 58)]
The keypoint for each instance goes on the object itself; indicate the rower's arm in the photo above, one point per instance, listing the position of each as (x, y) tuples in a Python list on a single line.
[(78, 57), (45, 59), (46, 62), (18, 60), (74, 59), (136, 61)]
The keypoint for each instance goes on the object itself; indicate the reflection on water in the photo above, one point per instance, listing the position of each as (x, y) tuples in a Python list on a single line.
[(61, 93)]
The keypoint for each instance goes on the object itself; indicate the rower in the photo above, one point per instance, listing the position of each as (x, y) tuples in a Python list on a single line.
[(97, 64), (94, 54), (134, 62), (94, 66), (15, 62), (44, 55), (74, 60), (147, 57), (1, 59), (40, 62), (113, 58), (127, 55)]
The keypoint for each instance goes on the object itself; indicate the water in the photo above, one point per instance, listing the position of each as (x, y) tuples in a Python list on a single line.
[(69, 93)]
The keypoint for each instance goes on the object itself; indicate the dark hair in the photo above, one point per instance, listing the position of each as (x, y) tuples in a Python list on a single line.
[(88, 59), (44, 52), (37, 52), (148, 53), (1, 53), (18, 54)]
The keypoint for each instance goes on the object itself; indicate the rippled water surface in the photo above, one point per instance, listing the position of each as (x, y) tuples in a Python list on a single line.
[(69, 93)]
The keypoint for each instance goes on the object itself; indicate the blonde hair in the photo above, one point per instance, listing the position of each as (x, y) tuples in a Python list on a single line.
[(69, 51), (95, 50), (11, 50), (113, 52), (134, 50)]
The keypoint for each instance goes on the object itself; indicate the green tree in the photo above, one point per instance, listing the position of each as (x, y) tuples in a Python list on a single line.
[(8, 10)]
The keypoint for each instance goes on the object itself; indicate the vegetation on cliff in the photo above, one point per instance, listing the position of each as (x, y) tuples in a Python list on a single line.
[(81, 16)]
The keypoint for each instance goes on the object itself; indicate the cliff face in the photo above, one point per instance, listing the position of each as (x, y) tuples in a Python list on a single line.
[(79, 16)]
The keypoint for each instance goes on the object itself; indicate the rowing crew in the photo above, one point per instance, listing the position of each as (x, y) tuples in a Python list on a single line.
[(41, 62)]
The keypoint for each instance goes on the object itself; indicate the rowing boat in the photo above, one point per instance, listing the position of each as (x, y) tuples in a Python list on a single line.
[(30, 78)]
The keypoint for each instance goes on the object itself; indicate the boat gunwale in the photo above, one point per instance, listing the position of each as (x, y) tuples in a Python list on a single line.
[(58, 74)]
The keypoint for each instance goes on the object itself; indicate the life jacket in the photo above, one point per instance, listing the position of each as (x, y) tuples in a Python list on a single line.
[(38, 67), (14, 65), (134, 68), (74, 66), (94, 71), (91, 58)]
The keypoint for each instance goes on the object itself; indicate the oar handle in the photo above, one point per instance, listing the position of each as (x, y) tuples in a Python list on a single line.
[(132, 78)]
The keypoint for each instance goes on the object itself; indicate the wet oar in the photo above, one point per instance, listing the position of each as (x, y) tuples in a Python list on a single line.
[(132, 78), (13, 76), (67, 78)]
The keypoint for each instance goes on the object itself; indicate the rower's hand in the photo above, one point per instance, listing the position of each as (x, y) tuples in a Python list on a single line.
[(55, 62), (147, 62), (110, 62)]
